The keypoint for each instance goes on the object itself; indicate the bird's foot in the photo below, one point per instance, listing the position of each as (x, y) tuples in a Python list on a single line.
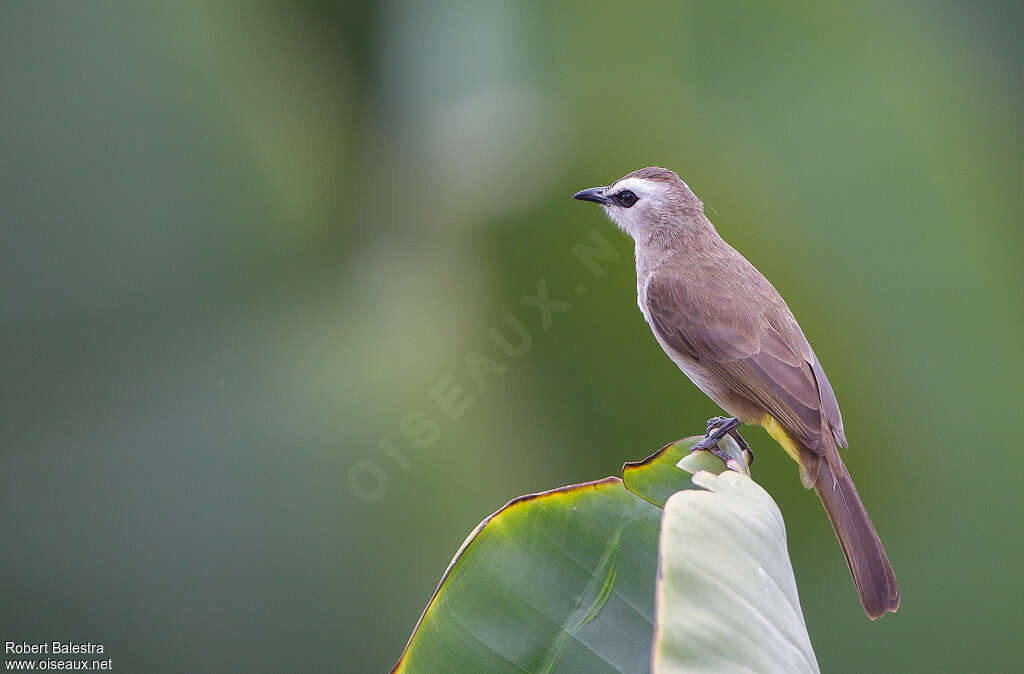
[(715, 422), (717, 428), (709, 444)]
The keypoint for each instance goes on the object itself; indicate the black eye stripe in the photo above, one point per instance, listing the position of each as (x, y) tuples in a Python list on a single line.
[(625, 198)]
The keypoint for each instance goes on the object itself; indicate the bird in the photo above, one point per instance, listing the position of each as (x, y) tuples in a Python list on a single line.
[(729, 330)]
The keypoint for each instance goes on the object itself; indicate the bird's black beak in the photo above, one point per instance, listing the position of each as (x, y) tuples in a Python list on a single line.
[(595, 194)]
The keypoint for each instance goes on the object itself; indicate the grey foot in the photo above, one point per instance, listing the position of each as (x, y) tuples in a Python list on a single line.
[(717, 428)]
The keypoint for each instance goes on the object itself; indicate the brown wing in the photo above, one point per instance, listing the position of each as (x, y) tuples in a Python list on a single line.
[(739, 328)]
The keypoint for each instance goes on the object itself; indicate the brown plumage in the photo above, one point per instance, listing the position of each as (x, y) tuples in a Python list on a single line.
[(729, 330)]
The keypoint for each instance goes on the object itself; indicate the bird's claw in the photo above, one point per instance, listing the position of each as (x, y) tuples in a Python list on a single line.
[(713, 423), (716, 429), (710, 444)]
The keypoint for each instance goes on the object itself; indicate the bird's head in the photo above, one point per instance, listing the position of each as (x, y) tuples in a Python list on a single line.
[(647, 200)]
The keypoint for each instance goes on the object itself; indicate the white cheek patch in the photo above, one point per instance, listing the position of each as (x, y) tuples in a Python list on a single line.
[(624, 218), (631, 220)]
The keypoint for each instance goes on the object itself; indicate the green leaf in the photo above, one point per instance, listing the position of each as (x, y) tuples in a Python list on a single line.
[(727, 598), (656, 478), (562, 580), (694, 462), (565, 580)]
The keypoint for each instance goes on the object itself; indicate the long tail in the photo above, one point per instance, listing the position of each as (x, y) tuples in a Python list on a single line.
[(872, 573)]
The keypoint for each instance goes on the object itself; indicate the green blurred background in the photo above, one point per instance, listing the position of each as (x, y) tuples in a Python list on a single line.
[(243, 241)]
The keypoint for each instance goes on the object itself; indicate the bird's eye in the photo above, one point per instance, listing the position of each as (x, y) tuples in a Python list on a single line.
[(626, 198)]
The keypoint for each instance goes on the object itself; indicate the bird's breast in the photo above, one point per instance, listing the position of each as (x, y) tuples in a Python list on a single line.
[(708, 382)]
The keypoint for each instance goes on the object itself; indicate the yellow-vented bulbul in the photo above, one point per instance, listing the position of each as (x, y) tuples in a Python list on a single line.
[(731, 333)]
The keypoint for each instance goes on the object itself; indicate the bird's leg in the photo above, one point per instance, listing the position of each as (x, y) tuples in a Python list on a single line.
[(713, 423), (717, 428), (743, 445), (735, 433), (721, 426)]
